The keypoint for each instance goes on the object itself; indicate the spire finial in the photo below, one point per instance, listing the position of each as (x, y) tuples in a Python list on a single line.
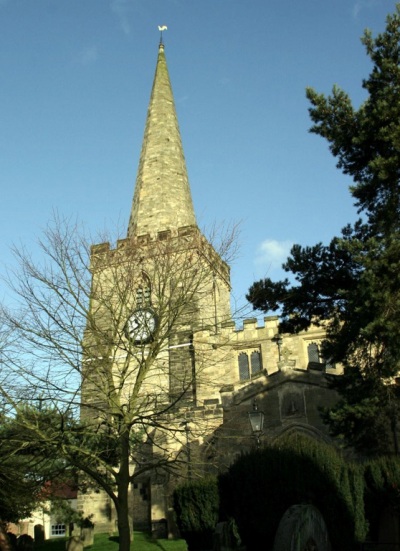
[(162, 28)]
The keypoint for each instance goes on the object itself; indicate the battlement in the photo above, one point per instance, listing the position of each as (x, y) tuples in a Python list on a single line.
[(229, 333), (258, 342), (252, 326), (131, 242), (184, 237)]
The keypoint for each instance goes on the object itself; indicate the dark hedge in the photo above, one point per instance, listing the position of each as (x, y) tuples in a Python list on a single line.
[(382, 492), (260, 486)]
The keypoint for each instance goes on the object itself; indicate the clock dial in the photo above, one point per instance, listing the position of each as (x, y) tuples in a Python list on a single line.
[(141, 325)]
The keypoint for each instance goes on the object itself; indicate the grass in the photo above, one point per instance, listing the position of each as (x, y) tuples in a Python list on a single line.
[(103, 542)]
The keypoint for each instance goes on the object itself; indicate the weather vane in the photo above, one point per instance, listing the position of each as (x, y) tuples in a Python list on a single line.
[(162, 28)]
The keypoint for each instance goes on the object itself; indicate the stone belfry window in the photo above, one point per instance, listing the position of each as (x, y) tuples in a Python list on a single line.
[(143, 292)]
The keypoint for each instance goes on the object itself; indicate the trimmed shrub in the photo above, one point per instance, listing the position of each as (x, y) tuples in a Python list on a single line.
[(196, 506), (262, 485)]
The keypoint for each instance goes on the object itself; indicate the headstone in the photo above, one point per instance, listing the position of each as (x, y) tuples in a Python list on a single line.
[(226, 537), (39, 533), (87, 536), (74, 544), (159, 529), (302, 527)]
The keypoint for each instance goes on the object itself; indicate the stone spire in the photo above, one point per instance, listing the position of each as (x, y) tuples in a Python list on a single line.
[(162, 199)]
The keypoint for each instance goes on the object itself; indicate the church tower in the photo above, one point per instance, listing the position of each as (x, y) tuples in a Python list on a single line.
[(167, 378), (162, 212), (152, 348)]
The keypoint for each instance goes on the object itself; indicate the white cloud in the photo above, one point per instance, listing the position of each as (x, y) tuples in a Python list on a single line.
[(88, 55), (121, 8), (272, 253)]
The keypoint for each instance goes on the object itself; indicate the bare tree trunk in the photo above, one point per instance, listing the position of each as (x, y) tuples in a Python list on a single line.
[(124, 527)]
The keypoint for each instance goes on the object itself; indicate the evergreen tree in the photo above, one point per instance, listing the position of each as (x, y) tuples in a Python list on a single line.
[(353, 284), (28, 471)]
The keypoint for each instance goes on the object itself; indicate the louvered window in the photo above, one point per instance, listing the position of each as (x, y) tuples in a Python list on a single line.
[(146, 295), (143, 293), (139, 297)]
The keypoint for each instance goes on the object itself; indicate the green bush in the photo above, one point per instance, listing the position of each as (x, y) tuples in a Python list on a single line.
[(262, 485), (196, 506)]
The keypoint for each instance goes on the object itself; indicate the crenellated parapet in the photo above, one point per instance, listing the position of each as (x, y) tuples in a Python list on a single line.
[(256, 351), (183, 239)]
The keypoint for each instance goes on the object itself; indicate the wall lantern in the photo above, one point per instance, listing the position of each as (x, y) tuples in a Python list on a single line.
[(256, 419), (277, 339)]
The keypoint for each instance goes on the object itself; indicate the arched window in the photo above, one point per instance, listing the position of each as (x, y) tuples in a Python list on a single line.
[(313, 353), (244, 372), (255, 361), (250, 364)]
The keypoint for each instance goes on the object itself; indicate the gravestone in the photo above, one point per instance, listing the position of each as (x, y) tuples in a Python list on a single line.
[(39, 533), (302, 528), (226, 537), (74, 544), (87, 536)]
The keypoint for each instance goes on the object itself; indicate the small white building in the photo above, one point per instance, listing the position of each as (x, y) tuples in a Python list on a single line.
[(46, 521)]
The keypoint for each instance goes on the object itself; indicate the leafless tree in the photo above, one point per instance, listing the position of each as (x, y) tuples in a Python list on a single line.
[(105, 337)]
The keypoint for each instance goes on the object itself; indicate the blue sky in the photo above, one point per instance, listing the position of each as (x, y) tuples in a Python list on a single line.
[(76, 77)]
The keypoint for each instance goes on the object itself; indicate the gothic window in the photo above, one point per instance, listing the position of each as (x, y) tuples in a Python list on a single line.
[(250, 364), (244, 373), (315, 358), (313, 353), (255, 360)]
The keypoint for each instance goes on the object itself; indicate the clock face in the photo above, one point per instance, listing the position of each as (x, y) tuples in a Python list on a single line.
[(141, 325)]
